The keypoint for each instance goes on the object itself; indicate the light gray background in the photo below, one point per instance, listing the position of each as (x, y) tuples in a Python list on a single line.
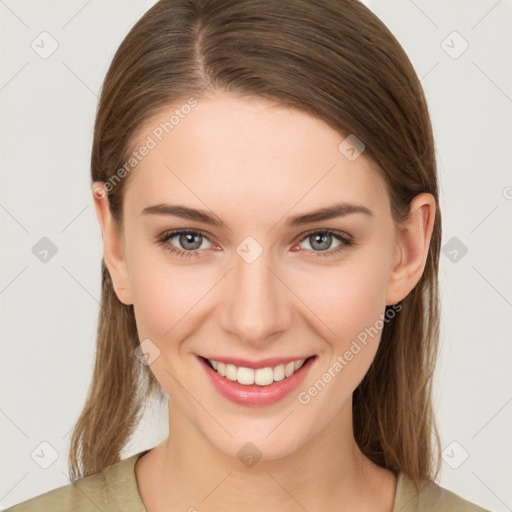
[(49, 310)]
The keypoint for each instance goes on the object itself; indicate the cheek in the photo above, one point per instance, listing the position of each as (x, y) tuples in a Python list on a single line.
[(340, 301), (349, 305), (349, 302), (162, 293), (346, 298)]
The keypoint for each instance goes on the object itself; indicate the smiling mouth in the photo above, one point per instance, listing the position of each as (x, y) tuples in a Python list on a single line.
[(260, 376)]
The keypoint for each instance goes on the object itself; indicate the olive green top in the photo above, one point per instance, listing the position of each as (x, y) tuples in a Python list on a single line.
[(115, 490)]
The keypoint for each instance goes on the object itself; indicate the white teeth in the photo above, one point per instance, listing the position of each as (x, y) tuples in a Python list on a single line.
[(231, 372), (279, 372), (245, 376), (261, 376)]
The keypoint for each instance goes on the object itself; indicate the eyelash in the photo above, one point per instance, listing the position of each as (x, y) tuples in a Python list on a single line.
[(165, 237)]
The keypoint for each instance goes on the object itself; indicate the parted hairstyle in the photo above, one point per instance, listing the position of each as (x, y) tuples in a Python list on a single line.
[(333, 59)]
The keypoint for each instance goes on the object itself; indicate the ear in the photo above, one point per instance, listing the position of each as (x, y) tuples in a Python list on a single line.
[(412, 245), (113, 245)]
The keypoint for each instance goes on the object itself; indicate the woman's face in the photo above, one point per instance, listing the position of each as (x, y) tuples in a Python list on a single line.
[(258, 286)]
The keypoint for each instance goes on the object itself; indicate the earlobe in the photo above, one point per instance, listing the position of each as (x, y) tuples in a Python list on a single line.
[(113, 250), (412, 247)]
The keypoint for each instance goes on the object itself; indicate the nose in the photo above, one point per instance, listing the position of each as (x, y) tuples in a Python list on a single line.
[(257, 308)]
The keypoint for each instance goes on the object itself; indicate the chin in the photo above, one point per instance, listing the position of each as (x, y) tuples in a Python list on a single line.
[(266, 441)]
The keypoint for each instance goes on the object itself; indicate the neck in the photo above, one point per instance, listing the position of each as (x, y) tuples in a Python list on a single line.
[(327, 472)]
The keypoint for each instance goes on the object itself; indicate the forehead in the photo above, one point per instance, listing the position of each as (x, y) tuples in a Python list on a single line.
[(248, 152)]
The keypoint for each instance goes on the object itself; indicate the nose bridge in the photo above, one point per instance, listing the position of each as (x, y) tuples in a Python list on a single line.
[(255, 307)]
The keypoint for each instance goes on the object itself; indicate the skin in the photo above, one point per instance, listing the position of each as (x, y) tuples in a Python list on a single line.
[(253, 163)]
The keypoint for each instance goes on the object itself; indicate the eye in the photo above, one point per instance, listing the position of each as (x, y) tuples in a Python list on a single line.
[(321, 240), (190, 240)]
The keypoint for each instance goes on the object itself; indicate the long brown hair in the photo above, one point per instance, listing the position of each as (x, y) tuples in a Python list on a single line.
[(333, 59)]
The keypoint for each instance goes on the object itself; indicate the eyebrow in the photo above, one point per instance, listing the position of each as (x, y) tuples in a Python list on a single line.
[(330, 212)]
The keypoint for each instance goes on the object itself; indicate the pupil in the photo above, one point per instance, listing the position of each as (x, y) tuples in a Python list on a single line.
[(188, 238), (325, 237)]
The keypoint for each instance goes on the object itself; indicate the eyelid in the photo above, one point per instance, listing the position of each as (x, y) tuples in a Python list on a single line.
[(345, 241), (325, 230), (173, 232)]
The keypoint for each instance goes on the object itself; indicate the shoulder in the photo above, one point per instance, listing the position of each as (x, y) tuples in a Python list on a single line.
[(84, 494), (430, 497), (115, 488)]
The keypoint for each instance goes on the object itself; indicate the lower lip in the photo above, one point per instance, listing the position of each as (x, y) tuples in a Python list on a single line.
[(255, 395)]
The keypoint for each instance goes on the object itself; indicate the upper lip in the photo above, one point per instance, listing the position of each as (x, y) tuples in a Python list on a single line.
[(262, 363)]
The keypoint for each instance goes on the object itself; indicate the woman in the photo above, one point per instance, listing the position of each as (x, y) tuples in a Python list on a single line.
[(264, 178)]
